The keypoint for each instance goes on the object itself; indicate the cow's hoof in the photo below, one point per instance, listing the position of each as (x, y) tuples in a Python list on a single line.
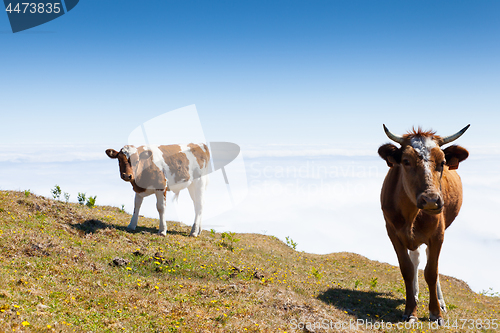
[(438, 320), (193, 234), (162, 234), (410, 319), (130, 229)]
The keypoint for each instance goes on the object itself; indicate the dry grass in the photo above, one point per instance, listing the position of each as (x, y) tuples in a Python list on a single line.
[(57, 275)]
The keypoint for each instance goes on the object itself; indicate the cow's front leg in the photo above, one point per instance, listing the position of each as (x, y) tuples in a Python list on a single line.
[(161, 204), (442, 303), (431, 276), (137, 206), (407, 270)]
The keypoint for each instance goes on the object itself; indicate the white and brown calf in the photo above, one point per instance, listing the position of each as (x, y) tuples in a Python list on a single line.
[(158, 169)]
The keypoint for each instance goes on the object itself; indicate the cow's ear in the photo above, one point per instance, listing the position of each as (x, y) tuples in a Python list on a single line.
[(454, 155), (145, 155), (390, 153), (112, 153)]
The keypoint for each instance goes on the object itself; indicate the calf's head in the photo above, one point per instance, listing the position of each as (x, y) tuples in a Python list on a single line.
[(124, 161), (421, 163), (137, 164)]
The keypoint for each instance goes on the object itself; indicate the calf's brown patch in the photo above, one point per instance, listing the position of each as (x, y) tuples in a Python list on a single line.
[(177, 162), (202, 157)]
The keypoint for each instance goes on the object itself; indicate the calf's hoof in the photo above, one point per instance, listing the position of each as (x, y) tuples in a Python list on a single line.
[(162, 233), (194, 234)]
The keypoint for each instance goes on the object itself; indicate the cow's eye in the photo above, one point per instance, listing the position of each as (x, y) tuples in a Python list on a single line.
[(406, 162)]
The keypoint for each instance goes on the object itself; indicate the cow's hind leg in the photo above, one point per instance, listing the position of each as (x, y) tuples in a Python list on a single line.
[(196, 191), (415, 259), (442, 304), (135, 217)]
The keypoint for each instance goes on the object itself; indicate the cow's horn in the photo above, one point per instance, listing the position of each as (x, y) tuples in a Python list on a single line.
[(453, 137), (393, 137)]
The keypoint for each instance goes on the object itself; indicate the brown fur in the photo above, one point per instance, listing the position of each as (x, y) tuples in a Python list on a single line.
[(409, 224), (146, 173), (202, 157), (177, 162)]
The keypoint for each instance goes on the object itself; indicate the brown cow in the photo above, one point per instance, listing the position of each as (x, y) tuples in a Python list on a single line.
[(421, 196)]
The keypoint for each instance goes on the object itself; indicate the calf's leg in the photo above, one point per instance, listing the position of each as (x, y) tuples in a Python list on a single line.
[(135, 217), (196, 191), (161, 204)]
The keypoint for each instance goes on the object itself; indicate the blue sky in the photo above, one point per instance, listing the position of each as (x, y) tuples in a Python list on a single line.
[(258, 71)]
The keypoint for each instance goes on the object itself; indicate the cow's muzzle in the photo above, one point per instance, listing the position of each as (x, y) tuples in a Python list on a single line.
[(126, 177), (431, 203)]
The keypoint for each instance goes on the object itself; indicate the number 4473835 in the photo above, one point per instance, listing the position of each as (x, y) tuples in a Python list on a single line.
[(34, 8)]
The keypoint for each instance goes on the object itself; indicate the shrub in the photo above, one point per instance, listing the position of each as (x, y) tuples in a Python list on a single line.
[(291, 243), (81, 198), (56, 192), (91, 201)]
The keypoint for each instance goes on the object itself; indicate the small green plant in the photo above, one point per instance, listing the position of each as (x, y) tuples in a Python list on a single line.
[(291, 243), (228, 240), (56, 192), (490, 292), (81, 198), (66, 197), (451, 306), (27, 193), (373, 282), (91, 201), (316, 273), (357, 283), (401, 288), (212, 233), (122, 210)]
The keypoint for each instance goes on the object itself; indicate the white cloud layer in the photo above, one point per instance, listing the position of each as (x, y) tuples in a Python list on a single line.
[(324, 199)]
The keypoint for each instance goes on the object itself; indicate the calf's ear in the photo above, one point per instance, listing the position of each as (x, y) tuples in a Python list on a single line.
[(112, 153), (454, 155), (390, 153)]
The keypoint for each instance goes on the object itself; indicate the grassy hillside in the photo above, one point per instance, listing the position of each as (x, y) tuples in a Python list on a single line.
[(70, 268)]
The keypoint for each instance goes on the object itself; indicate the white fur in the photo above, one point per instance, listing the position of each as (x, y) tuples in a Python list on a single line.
[(129, 150), (423, 147), (415, 259), (196, 185)]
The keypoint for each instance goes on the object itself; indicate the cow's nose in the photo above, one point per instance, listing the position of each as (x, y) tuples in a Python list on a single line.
[(430, 201), (126, 177)]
